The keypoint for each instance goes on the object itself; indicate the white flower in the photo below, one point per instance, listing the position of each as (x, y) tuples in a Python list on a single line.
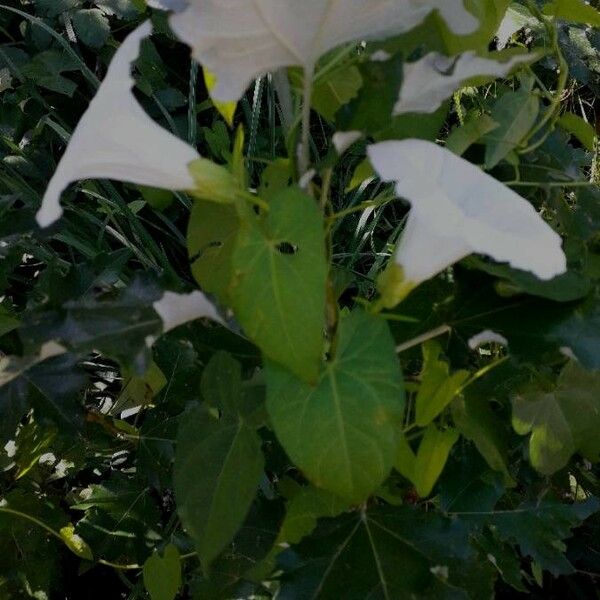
[(177, 309), (514, 20), (435, 77), (342, 140), (175, 5), (116, 139), (486, 337), (239, 40), (457, 210)]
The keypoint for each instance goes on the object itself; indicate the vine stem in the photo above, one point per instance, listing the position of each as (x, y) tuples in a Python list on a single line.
[(18, 513), (430, 335), (550, 184), (563, 72), (304, 154)]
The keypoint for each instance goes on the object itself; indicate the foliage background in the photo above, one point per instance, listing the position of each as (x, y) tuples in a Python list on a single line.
[(76, 458)]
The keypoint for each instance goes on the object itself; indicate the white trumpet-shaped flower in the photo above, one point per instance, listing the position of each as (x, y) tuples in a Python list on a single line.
[(239, 40), (428, 82), (116, 139), (458, 210)]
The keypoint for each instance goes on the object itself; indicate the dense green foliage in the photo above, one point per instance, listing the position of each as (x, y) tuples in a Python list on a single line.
[(234, 461)]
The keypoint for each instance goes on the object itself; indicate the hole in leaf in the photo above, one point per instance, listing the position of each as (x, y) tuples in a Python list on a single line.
[(209, 246), (287, 248)]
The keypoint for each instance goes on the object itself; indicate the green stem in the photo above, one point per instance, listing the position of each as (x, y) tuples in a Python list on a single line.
[(553, 111), (304, 158), (551, 184), (12, 511), (360, 207), (430, 335)]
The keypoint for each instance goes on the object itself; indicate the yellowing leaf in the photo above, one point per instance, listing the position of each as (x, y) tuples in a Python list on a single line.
[(438, 387), (431, 458), (75, 543), (405, 459)]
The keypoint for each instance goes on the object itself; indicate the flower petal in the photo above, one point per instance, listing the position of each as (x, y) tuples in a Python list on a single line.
[(176, 5), (239, 40), (177, 309), (116, 139), (457, 209), (342, 140), (486, 337), (435, 77)]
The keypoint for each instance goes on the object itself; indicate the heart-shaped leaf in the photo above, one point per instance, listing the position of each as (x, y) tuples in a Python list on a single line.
[(343, 431), (280, 274), (218, 466), (162, 574)]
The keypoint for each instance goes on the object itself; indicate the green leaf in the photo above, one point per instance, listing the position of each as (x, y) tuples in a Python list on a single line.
[(213, 182), (162, 574), (303, 511), (475, 420), (364, 170), (515, 113), (386, 553), (92, 27), (212, 232), (335, 90), (438, 387), (467, 483), (8, 322), (534, 327), (46, 70), (371, 110), (221, 383), (158, 199), (343, 431), (489, 13), (218, 466), (123, 9), (280, 273), (52, 8), (277, 176), (581, 129), (140, 390), (463, 137), (572, 285), (561, 421), (577, 11), (117, 325), (431, 458), (51, 387), (405, 459), (540, 528)]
